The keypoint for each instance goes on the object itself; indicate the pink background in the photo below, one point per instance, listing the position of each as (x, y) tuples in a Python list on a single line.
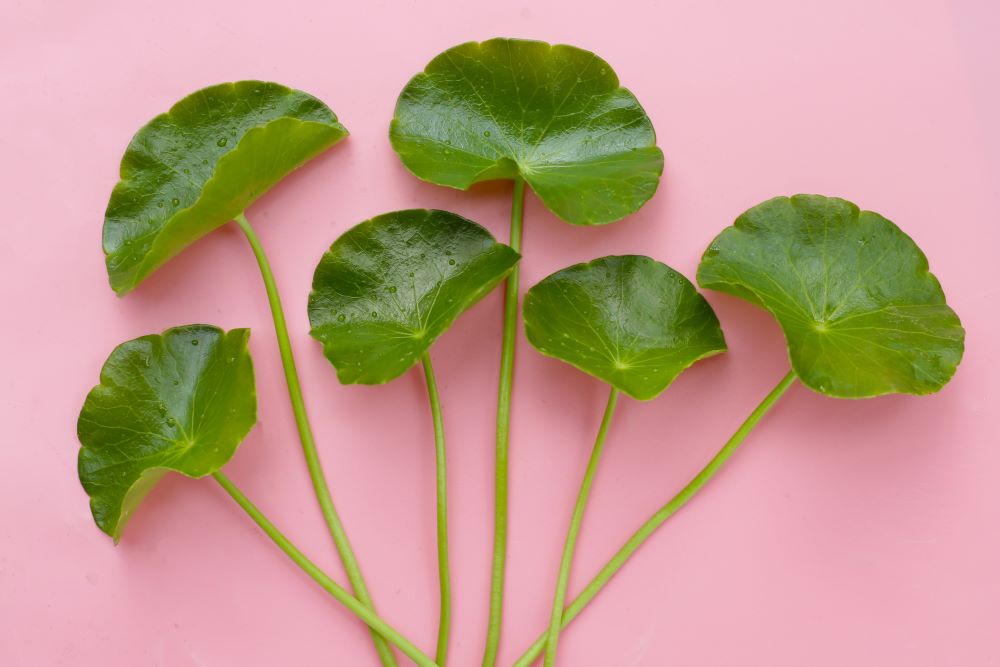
[(845, 532)]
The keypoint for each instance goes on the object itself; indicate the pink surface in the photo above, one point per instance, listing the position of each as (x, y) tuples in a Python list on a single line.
[(845, 532)]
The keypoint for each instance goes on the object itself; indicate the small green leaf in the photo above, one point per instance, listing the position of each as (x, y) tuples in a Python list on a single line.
[(553, 114), (861, 313), (179, 401), (630, 321), (390, 286), (206, 160)]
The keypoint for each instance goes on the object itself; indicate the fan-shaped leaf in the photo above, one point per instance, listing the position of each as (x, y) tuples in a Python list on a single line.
[(861, 313), (630, 321), (199, 165), (390, 286), (179, 401), (553, 114)]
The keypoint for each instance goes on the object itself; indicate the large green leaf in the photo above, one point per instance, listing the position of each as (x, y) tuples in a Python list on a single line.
[(861, 313), (179, 401), (206, 160), (630, 321), (390, 286), (553, 114)]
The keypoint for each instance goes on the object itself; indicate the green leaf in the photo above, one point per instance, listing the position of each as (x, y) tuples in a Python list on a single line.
[(196, 167), (390, 286), (553, 114), (179, 401), (630, 321), (861, 313)]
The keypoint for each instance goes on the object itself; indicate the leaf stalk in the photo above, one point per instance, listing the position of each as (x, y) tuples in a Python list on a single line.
[(664, 513), (444, 575), (507, 348), (356, 607), (309, 450), (559, 599)]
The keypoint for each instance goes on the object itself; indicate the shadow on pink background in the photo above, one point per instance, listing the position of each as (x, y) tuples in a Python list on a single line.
[(844, 533)]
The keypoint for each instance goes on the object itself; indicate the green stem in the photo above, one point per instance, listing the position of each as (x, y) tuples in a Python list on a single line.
[(329, 585), (308, 443), (444, 576), (503, 433), (664, 513), (562, 582)]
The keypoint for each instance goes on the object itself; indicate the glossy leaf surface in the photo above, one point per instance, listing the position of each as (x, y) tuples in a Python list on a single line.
[(196, 167), (556, 115), (179, 401), (630, 321), (861, 312), (390, 286)]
